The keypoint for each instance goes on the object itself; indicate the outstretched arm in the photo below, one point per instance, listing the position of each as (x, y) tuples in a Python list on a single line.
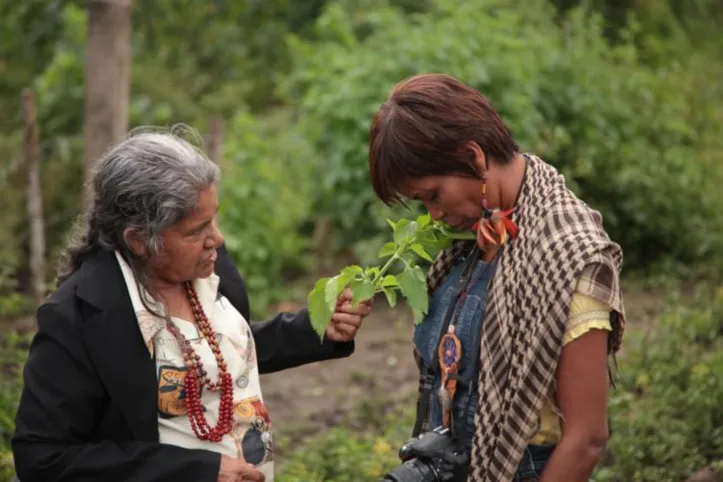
[(288, 340)]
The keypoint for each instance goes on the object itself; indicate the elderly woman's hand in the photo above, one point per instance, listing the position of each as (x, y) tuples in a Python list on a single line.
[(346, 320), (234, 470)]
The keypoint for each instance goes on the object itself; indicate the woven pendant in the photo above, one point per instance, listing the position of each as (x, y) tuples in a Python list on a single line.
[(450, 354)]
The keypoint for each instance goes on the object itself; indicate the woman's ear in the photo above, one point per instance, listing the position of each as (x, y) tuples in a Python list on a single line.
[(135, 242), (479, 159)]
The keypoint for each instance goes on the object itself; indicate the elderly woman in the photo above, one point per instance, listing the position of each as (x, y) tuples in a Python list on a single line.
[(145, 366), (513, 350)]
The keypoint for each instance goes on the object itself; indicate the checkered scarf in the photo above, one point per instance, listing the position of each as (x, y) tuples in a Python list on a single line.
[(562, 245)]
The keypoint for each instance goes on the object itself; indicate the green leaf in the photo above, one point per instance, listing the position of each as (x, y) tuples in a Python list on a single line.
[(390, 280), (353, 270), (319, 310), (330, 292), (392, 224), (429, 242), (421, 252), (399, 229), (391, 295), (405, 231), (417, 316), (414, 289), (335, 286), (409, 258), (424, 220), (419, 272), (387, 250), (361, 290)]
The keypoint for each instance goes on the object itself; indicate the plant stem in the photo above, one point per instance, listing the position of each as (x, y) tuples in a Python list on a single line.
[(460, 235), (384, 269)]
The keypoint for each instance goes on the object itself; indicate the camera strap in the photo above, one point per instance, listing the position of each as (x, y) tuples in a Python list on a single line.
[(461, 437), (429, 373), (451, 378)]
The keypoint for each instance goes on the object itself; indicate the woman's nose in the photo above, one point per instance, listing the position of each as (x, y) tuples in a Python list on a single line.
[(216, 238)]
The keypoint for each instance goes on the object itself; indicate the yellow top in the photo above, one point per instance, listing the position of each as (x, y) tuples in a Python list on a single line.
[(586, 314)]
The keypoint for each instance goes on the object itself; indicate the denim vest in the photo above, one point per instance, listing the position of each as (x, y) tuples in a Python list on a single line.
[(468, 324)]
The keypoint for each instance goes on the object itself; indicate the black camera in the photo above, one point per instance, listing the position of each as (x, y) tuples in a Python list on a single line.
[(431, 457)]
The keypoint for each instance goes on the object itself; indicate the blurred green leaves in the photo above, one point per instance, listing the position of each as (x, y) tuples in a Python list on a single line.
[(267, 187), (634, 124), (630, 137)]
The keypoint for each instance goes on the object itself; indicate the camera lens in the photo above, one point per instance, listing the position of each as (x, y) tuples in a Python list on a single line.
[(412, 471)]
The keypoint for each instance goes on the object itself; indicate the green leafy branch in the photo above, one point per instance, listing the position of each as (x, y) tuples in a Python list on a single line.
[(397, 273)]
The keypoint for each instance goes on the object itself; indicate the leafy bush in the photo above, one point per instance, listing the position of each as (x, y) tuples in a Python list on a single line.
[(341, 456), (667, 421), (358, 453), (13, 349), (630, 138), (61, 178), (266, 191), (13, 206)]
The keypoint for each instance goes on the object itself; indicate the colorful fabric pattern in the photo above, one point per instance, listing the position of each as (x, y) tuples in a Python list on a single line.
[(250, 439)]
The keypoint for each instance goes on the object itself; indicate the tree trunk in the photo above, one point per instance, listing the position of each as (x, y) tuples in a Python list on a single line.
[(107, 77), (215, 141), (34, 199)]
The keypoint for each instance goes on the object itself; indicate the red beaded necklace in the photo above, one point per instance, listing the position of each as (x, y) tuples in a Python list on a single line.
[(197, 377)]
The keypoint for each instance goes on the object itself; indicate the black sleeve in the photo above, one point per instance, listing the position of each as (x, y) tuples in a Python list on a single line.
[(287, 340), (61, 400)]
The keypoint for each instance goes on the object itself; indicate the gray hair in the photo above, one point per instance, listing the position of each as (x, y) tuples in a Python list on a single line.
[(149, 182)]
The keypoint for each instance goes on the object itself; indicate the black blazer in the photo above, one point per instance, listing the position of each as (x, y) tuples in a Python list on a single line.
[(88, 410)]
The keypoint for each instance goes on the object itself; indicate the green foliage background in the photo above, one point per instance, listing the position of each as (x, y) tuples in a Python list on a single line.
[(622, 96)]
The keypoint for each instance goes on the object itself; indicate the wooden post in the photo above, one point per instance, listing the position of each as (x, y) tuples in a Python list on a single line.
[(35, 199), (322, 238), (215, 140), (107, 77)]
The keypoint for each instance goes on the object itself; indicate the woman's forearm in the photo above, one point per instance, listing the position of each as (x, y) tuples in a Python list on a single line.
[(573, 460), (582, 385), (288, 340)]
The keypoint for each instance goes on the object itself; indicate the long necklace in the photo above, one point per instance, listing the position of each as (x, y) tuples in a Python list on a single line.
[(196, 376)]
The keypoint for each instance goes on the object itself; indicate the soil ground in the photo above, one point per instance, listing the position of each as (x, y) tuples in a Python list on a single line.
[(381, 371)]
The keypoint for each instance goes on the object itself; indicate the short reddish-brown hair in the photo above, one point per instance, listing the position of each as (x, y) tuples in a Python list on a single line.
[(421, 129)]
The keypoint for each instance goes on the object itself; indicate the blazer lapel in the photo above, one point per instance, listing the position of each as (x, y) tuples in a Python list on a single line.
[(115, 342), (117, 349)]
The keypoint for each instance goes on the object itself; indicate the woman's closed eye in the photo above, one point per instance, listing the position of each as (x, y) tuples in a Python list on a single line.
[(200, 229)]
